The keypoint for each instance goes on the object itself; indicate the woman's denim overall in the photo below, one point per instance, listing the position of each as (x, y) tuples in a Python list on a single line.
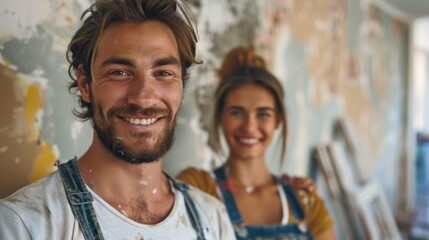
[(80, 200), (296, 230)]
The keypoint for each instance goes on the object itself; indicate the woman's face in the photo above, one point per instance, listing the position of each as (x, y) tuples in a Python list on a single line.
[(249, 120)]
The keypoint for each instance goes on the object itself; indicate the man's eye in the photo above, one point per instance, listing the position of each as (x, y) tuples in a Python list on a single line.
[(163, 74), (118, 73)]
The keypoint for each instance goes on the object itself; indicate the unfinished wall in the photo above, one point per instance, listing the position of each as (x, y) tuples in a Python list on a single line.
[(333, 57)]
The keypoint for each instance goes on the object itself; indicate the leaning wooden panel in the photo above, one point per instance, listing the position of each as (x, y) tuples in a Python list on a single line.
[(346, 133), (344, 167), (337, 198), (375, 214)]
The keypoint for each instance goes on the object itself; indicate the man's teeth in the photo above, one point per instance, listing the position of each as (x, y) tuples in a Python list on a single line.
[(138, 121), (248, 140)]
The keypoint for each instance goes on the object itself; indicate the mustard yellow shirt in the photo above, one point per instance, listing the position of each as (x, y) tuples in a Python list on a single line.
[(317, 216)]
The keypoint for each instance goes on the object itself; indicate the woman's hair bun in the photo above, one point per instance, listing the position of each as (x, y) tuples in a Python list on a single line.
[(240, 57)]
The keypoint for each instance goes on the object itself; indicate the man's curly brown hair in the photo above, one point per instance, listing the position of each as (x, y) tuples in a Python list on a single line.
[(103, 14)]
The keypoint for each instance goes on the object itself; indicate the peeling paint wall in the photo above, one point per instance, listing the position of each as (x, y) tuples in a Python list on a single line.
[(334, 58), (37, 126), (25, 154)]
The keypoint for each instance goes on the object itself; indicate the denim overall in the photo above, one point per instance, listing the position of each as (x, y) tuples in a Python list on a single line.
[(296, 231), (80, 200)]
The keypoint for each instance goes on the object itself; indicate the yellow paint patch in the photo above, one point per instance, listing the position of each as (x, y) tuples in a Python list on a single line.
[(44, 163), (33, 104)]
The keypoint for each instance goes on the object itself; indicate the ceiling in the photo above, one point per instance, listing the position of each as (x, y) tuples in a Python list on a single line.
[(413, 9)]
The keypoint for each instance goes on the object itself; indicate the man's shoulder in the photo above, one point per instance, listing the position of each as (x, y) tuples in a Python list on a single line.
[(37, 211), (36, 195)]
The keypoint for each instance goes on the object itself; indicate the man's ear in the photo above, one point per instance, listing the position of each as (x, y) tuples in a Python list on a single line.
[(83, 84)]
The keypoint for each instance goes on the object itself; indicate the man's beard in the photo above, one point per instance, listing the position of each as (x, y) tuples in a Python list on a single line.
[(106, 133)]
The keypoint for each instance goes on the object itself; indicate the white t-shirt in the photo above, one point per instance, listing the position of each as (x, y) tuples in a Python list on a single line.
[(41, 211)]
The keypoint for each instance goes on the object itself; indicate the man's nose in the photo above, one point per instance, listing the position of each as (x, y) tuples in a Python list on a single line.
[(142, 87)]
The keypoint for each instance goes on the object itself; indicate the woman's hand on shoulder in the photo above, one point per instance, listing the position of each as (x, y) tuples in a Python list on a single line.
[(300, 183)]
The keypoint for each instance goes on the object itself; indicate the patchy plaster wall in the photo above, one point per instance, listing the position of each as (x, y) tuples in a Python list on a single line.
[(37, 126), (333, 57)]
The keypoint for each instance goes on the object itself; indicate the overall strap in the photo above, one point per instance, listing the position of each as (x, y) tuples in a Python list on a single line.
[(292, 198), (228, 198), (190, 207), (80, 200)]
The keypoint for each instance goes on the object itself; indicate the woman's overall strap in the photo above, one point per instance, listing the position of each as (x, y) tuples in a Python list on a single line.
[(292, 198), (80, 200)]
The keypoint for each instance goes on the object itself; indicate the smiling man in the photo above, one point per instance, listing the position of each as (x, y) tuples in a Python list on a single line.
[(129, 63)]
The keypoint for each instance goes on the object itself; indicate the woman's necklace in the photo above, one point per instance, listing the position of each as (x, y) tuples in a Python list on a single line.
[(247, 188)]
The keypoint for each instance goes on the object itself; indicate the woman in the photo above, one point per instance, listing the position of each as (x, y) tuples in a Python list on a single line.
[(248, 109)]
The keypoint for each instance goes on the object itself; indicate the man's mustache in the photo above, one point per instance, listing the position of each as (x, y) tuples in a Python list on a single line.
[(132, 109)]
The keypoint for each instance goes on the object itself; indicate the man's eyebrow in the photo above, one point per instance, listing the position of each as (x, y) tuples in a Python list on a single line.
[(266, 109), (166, 61), (117, 60), (127, 62)]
